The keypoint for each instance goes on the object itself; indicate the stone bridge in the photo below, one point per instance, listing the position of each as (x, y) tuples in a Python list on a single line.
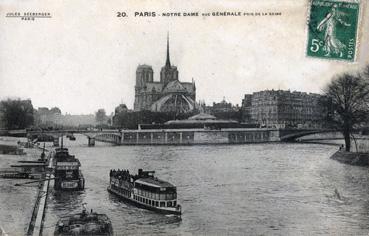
[(288, 135), (188, 136), (108, 136)]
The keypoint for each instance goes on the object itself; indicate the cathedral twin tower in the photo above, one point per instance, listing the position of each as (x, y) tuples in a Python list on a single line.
[(168, 95)]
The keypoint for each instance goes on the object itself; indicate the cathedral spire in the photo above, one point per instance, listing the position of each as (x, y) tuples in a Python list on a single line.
[(167, 63)]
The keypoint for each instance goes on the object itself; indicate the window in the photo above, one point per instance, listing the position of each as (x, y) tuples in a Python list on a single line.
[(169, 204), (174, 203), (162, 204)]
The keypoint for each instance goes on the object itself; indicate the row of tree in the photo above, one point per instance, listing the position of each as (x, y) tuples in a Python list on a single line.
[(16, 114), (20, 114)]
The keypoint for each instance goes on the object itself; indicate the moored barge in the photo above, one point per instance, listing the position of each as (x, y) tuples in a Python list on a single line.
[(68, 176), (145, 191)]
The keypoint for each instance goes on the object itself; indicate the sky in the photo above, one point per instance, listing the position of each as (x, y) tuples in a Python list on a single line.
[(85, 57)]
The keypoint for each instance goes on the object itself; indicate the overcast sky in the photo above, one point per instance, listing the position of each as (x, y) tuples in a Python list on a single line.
[(85, 57)]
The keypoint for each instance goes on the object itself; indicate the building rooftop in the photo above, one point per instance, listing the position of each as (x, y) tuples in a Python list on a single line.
[(144, 66), (202, 116)]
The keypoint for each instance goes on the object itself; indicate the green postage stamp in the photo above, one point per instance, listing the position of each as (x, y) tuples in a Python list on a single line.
[(333, 29)]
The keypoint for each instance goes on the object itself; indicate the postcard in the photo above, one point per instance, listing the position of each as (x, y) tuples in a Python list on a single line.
[(183, 117)]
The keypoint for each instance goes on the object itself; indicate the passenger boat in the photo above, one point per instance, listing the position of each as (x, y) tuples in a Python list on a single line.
[(67, 174), (85, 223), (145, 191)]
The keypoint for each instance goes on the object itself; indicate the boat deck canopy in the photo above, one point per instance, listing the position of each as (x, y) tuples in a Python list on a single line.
[(154, 182)]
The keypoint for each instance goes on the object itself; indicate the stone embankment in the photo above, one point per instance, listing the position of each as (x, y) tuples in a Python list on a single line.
[(352, 158)]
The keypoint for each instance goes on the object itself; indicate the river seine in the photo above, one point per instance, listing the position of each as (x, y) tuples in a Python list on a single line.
[(255, 189)]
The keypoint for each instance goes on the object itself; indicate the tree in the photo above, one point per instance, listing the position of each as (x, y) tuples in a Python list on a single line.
[(100, 116), (55, 110), (16, 113), (349, 99)]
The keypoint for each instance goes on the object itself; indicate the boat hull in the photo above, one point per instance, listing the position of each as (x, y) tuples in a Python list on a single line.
[(138, 204)]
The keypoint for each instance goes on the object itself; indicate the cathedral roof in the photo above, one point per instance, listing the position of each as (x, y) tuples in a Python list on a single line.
[(179, 101), (190, 87), (174, 87)]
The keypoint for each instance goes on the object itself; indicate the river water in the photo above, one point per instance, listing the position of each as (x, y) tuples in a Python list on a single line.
[(255, 189)]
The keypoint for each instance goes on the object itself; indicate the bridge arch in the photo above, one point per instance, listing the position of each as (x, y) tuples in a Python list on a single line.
[(293, 136), (109, 138)]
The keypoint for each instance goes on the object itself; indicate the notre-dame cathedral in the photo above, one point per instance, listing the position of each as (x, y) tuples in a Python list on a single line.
[(168, 95)]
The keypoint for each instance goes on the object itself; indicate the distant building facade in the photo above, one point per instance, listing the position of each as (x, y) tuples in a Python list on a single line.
[(53, 117), (279, 108), (168, 95), (223, 106)]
